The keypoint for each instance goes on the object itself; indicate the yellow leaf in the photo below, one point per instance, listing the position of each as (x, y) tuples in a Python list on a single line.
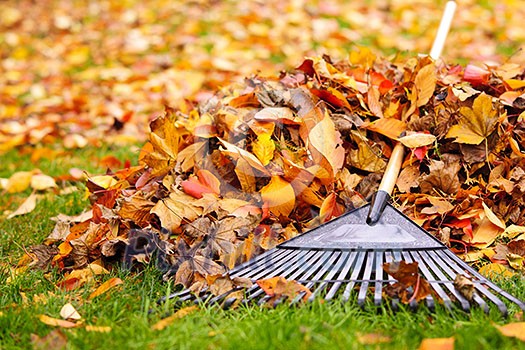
[(513, 231), (245, 174), (476, 123), (492, 217), (326, 140), (264, 148), (26, 207), (42, 182), (237, 152), (516, 330), (18, 182), (437, 344), (515, 83), (485, 233), (165, 322), (104, 287), (494, 270), (425, 82), (279, 195), (99, 329), (366, 157), (104, 181), (373, 102), (372, 338), (50, 321)]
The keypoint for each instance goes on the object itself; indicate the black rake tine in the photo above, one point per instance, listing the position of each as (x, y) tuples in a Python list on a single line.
[(361, 297), (349, 262)]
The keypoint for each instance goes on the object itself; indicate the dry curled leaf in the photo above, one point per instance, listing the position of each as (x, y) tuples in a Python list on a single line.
[(165, 322)]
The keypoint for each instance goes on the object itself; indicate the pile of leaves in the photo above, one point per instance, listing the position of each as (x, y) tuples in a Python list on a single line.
[(263, 161)]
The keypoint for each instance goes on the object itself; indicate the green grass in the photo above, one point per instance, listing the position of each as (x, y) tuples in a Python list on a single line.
[(131, 309)]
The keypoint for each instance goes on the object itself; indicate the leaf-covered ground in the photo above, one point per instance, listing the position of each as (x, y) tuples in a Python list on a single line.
[(256, 144)]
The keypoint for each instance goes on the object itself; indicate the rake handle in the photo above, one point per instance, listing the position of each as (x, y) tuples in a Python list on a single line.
[(387, 184)]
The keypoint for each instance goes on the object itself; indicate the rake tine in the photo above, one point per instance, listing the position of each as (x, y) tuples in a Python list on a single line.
[(474, 273), (433, 282), (355, 275), (338, 267), (342, 275), (361, 297), (487, 293), (465, 305), (389, 257), (379, 276), (326, 267), (254, 260), (284, 262), (253, 267), (408, 259), (298, 266)]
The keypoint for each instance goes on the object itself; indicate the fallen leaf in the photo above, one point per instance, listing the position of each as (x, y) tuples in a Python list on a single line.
[(515, 330), (279, 195), (476, 123), (41, 182), (26, 207), (104, 287), (278, 287), (264, 148), (165, 322), (494, 271), (50, 321), (54, 340), (18, 182), (68, 312), (99, 329), (464, 286), (437, 344), (408, 278), (425, 82), (372, 338)]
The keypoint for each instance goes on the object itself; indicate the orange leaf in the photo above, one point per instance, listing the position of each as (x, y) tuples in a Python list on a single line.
[(165, 322), (326, 140), (104, 287), (390, 127), (437, 344), (329, 208), (425, 84), (279, 286), (279, 195), (50, 321), (516, 330)]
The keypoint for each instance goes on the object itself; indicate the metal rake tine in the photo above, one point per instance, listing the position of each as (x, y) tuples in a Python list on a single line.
[(279, 265), (369, 263), (488, 282), (408, 259), (312, 256), (253, 267), (343, 257), (390, 257), (254, 260), (355, 275), (486, 292), (349, 262), (378, 291), (465, 305), (433, 282)]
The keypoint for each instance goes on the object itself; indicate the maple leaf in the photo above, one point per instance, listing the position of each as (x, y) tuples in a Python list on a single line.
[(476, 123), (174, 209)]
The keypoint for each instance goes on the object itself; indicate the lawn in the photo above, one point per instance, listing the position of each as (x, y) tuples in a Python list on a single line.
[(79, 84)]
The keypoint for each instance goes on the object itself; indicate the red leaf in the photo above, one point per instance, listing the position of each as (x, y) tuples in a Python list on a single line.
[(476, 75), (463, 224)]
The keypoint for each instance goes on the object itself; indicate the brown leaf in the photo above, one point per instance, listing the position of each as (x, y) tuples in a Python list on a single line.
[(326, 140), (464, 286), (54, 340), (26, 207), (175, 208), (443, 176), (407, 276), (366, 157)]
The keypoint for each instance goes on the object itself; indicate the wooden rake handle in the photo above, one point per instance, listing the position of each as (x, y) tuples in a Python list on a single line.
[(388, 182)]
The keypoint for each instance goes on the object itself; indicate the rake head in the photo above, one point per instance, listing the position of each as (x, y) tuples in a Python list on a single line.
[(338, 261)]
